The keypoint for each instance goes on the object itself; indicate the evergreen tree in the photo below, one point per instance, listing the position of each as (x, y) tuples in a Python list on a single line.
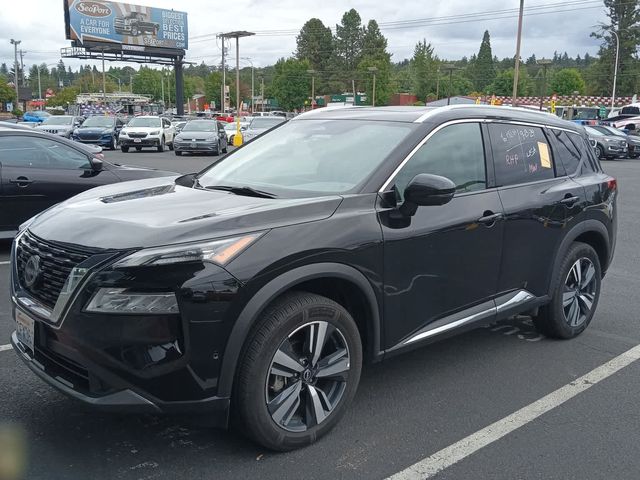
[(4, 70), (483, 70), (374, 44), (375, 56), (348, 46), (315, 44), (424, 70)]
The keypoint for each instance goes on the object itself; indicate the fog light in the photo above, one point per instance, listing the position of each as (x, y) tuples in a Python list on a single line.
[(122, 300)]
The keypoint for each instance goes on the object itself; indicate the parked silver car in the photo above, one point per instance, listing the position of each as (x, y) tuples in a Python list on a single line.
[(62, 125)]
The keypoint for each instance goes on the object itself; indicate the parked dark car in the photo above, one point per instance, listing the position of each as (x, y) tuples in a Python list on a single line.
[(201, 136), (100, 130), (608, 146), (38, 170), (342, 236), (62, 125), (633, 141)]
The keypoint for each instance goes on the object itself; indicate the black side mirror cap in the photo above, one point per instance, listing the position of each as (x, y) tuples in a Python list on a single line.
[(427, 190)]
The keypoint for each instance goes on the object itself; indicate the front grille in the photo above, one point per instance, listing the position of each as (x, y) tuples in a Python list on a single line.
[(137, 134), (49, 130), (89, 136), (56, 262)]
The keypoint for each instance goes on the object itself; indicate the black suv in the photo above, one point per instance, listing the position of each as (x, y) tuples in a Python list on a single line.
[(258, 287)]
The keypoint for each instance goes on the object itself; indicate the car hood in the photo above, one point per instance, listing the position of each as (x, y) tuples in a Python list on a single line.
[(156, 212), (56, 128), (93, 129)]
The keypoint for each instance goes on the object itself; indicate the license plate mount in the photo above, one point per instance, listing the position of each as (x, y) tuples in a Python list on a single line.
[(25, 329)]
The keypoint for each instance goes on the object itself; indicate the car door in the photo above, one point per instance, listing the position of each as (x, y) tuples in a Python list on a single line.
[(169, 131), (38, 172), (444, 260), (540, 203)]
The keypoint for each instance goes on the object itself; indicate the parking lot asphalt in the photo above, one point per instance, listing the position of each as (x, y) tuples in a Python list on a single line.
[(406, 409)]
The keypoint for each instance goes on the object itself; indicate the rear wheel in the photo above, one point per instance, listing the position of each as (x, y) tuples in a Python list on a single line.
[(161, 145), (299, 371), (170, 145), (600, 152), (576, 293), (124, 148)]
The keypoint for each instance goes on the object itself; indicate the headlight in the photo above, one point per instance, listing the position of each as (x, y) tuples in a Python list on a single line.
[(220, 252), (75, 132), (123, 132), (609, 140), (155, 132), (122, 300), (179, 138), (211, 138)]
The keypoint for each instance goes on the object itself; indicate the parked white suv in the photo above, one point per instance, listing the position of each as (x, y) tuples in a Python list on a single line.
[(147, 131)]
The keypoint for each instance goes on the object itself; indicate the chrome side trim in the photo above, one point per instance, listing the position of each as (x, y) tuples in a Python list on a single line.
[(521, 296), (385, 185), (450, 326)]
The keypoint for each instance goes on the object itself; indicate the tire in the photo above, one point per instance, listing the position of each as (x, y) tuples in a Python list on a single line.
[(161, 145), (170, 146), (217, 150), (138, 149), (569, 313), (178, 154), (600, 152), (282, 327), (124, 148), (226, 148), (113, 145), (231, 140)]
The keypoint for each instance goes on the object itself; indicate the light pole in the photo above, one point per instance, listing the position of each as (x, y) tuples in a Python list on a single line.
[(237, 138), (615, 69), (312, 72), (118, 79), (544, 62), (15, 44), (516, 70), (373, 70), (450, 68), (252, 80), (262, 93)]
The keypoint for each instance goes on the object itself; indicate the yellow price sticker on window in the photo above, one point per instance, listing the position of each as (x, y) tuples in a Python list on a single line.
[(545, 160)]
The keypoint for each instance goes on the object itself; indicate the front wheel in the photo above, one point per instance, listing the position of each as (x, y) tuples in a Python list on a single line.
[(170, 145), (178, 154), (600, 152), (299, 371), (113, 144), (575, 296), (161, 145), (124, 149)]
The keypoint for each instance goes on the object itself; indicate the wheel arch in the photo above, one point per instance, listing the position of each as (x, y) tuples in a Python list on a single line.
[(308, 278), (591, 232)]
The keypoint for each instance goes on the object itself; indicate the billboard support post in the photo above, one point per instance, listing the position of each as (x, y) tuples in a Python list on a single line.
[(104, 82), (179, 87)]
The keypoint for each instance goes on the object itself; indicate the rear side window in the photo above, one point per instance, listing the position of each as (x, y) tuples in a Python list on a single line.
[(591, 163), (567, 151), (521, 154)]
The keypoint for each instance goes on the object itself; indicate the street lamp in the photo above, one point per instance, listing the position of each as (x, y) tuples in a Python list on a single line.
[(118, 79), (373, 70), (544, 62), (252, 80), (15, 44), (312, 72), (237, 138)]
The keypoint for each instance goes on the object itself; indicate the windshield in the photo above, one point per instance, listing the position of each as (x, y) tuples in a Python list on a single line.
[(586, 114), (614, 131), (58, 121), (310, 157), (98, 121), (200, 126), (265, 122), (593, 131), (144, 122)]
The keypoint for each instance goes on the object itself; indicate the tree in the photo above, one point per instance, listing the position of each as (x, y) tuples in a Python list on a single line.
[(424, 70), (4, 70), (503, 83), (624, 17), (7, 93), (148, 82), (315, 44), (64, 96), (348, 44), (567, 81), (374, 44), (291, 84), (460, 85), (213, 88), (483, 71), (384, 88)]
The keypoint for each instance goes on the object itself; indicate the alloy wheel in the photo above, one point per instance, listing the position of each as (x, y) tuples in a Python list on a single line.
[(579, 292), (307, 377)]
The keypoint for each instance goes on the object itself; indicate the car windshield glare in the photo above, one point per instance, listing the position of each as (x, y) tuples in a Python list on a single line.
[(310, 157), (58, 121), (98, 121), (144, 122), (265, 122), (200, 126)]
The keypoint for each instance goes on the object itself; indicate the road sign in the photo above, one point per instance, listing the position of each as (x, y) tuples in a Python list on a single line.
[(603, 112)]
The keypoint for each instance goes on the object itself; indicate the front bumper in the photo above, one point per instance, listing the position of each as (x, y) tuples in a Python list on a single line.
[(615, 150), (195, 146), (136, 363), (139, 142), (103, 141)]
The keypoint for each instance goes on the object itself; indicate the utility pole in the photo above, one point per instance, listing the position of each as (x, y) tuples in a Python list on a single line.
[(545, 62), (615, 70), (169, 92), (22, 67), (262, 93), (312, 72), (373, 70), (164, 104), (516, 70), (223, 97), (15, 44), (450, 68), (353, 87), (39, 84), (104, 82), (438, 83)]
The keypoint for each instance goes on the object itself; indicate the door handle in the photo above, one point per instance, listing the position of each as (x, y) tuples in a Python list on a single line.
[(21, 181), (569, 201), (489, 218)]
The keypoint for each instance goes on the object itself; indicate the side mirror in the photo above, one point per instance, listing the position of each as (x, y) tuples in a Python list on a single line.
[(96, 164), (426, 190)]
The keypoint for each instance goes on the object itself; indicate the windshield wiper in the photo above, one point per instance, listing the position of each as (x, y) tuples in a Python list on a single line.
[(247, 191)]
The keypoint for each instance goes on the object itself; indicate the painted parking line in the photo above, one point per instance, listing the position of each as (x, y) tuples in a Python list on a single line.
[(4, 262), (5, 347), (430, 466)]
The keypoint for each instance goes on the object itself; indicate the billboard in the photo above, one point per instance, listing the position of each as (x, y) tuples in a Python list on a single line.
[(122, 26)]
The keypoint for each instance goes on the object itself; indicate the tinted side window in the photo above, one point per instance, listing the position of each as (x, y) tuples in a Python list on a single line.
[(521, 154), (32, 152), (591, 162), (566, 151), (455, 152)]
